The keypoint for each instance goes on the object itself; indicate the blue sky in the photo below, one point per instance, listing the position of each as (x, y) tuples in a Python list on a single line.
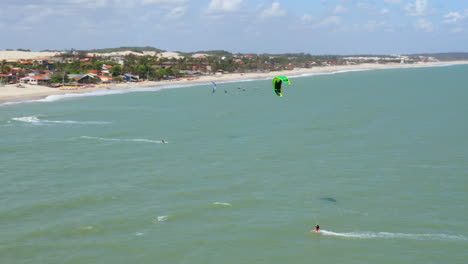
[(257, 26)]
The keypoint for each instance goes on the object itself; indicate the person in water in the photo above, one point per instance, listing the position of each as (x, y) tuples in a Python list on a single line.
[(317, 228)]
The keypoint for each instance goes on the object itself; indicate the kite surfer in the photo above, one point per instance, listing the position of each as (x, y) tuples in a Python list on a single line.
[(214, 87), (277, 84), (317, 228)]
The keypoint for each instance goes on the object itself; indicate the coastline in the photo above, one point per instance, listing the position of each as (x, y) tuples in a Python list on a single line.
[(12, 94)]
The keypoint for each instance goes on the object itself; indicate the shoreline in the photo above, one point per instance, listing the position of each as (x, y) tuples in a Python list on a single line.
[(12, 94)]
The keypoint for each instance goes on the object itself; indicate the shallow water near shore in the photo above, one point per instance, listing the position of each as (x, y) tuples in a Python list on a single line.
[(377, 158)]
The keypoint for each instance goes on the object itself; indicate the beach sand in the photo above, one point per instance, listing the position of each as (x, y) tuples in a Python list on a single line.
[(12, 93)]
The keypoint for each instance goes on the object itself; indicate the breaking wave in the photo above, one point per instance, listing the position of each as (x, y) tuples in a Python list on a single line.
[(161, 218)]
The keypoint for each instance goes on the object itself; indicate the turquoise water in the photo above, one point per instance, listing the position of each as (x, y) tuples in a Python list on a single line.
[(187, 176)]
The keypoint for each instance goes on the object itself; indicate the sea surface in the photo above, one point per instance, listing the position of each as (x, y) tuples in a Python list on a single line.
[(378, 158)]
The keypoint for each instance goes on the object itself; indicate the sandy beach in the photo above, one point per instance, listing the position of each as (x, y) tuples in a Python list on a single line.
[(12, 93)]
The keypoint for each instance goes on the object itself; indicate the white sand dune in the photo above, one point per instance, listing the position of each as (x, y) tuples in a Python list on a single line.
[(25, 55)]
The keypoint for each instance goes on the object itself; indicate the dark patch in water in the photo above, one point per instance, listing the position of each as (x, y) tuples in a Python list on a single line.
[(328, 199)]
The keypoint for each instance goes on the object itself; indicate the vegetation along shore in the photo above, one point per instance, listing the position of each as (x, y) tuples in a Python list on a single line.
[(28, 75)]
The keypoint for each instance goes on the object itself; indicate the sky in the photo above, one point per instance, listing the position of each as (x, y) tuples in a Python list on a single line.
[(317, 27)]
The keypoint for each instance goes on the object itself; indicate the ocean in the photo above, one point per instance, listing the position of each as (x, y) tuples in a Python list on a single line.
[(378, 158)]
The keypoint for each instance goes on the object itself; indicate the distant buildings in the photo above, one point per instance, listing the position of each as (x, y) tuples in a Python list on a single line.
[(132, 66), (379, 59)]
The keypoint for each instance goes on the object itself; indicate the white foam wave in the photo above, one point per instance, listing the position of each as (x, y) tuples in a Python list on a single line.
[(162, 218), (27, 119), (127, 140), (220, 203), (53, 98), (37, 120), (58, 97), (327, 73), (387, 235)]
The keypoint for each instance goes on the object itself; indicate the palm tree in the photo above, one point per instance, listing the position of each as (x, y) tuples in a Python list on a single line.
[(4, 68)]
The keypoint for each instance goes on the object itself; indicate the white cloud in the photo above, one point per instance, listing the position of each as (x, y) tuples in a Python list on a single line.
[(176, 12), (274, 11), (384, 11), (338, 9), (363, 5), (306, 18), (91, 3), (166, 2), (424, 25), (224, 5), (40, 15), (393, 1), (455, 17), (370, 8), (330, 21), (373, 25), (418, 8)]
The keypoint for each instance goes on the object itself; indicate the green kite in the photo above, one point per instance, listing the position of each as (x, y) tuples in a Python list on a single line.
[(277, 84)]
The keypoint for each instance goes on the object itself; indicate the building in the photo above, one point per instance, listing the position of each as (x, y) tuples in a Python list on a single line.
[(130, 77), (42, 79), (84, 78)]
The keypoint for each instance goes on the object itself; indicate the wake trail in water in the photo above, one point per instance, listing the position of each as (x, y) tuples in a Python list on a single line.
[(221, 203), (37, 121), (126, 140), (387, 235)]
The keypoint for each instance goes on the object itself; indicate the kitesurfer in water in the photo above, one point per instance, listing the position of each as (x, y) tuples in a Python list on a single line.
[(317, 228)]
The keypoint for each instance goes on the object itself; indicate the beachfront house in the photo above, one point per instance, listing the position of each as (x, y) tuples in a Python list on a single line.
[(84, 78), (42, 79), (130, 77), (105, 79), (28, 80)]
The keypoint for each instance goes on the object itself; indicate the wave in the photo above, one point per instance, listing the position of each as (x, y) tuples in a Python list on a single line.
[(161, 218), (87, 228), (37, 120), (387, 235), (224, 204), (53, 98), (127, 140), (59, 97)]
